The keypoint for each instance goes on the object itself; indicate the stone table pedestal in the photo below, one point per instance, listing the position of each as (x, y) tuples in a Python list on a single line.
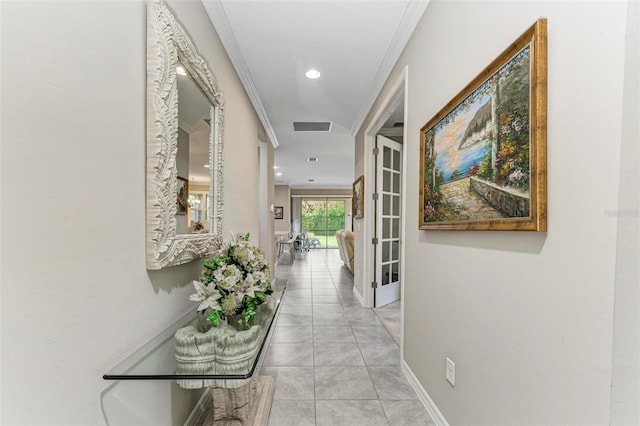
[(226, 351)]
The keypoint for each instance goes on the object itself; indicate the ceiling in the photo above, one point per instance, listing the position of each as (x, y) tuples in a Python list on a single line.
[(354, 44)]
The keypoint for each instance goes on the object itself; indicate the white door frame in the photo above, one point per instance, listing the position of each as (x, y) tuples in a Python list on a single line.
[(398, 94)]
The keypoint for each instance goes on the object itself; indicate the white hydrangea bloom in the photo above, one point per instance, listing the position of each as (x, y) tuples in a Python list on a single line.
[(259, 277), (227, 276)]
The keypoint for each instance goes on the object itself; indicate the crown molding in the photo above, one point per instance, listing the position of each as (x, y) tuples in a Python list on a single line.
[(410, 19), (218, 17)]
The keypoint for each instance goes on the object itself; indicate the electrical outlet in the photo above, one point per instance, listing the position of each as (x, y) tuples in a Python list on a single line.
[(451, 371)]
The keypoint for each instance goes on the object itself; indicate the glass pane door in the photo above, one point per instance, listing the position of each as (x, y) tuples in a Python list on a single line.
[(388, 220), (321, 218)]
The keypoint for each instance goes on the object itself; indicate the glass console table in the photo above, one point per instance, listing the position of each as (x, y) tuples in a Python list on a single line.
[(222, 365)]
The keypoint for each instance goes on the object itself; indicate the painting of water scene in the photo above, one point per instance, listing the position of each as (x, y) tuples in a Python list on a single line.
[(484, 155)]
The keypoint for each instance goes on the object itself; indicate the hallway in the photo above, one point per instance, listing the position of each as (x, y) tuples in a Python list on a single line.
[(333, 361)]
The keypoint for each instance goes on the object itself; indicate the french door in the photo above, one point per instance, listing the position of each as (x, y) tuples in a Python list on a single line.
[(388, 217)]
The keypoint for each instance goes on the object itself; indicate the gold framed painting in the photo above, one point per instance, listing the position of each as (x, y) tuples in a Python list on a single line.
[(483, 156), (358, 198)]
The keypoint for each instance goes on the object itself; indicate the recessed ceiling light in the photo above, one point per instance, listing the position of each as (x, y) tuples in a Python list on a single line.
[(275, 167), (180, 70), (313, 74), (207, 166), (278, 174)]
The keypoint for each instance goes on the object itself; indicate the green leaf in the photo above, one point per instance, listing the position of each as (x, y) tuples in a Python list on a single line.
[(214, 318)]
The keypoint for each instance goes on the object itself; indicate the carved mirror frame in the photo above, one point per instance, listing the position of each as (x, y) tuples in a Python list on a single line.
[(168, 43)]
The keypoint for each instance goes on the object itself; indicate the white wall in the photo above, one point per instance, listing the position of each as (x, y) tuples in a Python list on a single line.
[(76, 297), (271, 251), (526, 317), (625, 389), (282, 197), (265, 197)]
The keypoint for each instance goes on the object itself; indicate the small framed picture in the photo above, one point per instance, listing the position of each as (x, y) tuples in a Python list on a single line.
[(278, 212), (182, 196)]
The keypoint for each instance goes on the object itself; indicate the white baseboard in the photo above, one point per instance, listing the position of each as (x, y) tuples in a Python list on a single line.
[(358, 296), (423, 396)]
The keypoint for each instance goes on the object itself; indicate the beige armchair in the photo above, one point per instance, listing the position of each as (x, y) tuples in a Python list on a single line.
[(346, 241)]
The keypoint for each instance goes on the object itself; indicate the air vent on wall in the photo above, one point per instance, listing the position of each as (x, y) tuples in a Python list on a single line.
[(312, 126)]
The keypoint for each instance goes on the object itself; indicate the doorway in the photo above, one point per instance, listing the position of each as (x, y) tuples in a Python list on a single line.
[(321, 217), (384, 229)]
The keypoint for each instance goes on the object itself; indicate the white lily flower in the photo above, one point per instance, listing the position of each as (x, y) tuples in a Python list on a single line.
[(249, 280), (251, 291), (239, 295), (207, 297)]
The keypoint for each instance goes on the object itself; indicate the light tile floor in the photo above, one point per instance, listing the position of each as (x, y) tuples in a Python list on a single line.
[(332, 360)]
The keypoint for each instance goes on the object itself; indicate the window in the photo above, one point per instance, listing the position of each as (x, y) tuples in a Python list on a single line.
[(321, 218), (199, 208)]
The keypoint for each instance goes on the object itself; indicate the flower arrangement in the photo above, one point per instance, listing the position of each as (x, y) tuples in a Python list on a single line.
[(235, 281)]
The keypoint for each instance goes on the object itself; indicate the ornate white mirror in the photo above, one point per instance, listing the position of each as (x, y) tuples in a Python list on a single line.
[(185, 124)]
